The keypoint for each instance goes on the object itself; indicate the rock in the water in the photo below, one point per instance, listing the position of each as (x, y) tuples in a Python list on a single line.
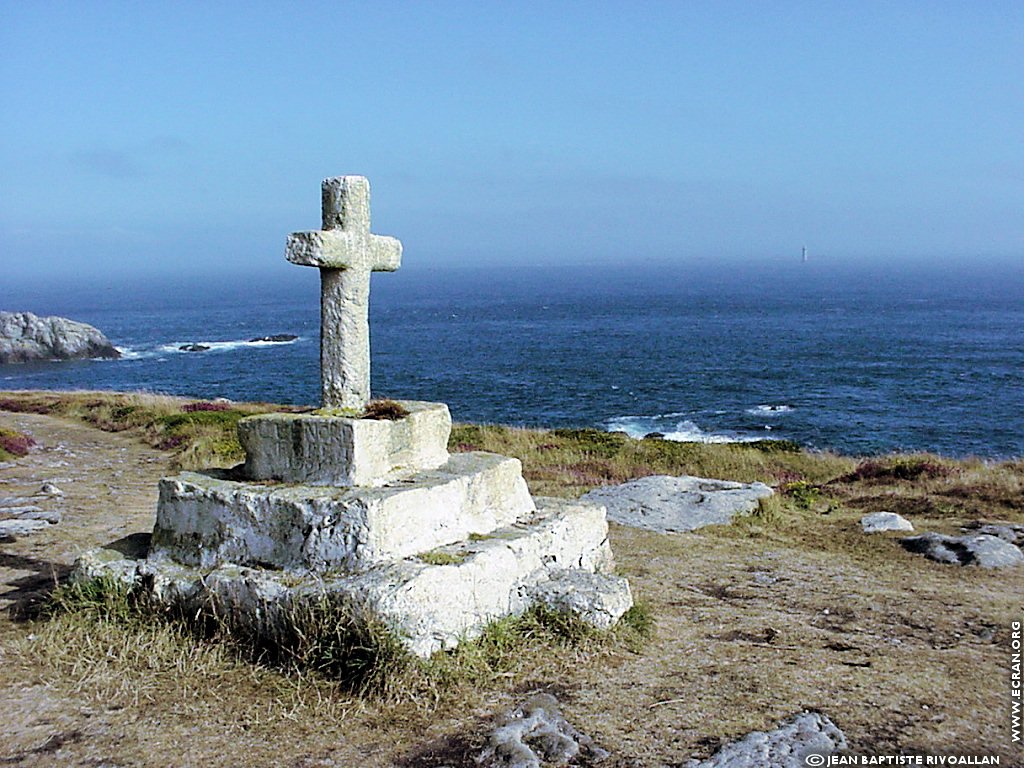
[(193, 347), (277, 338), (669, 504), (979, 549), (536, 734), (25, 337), (878, 522), (786, 747)]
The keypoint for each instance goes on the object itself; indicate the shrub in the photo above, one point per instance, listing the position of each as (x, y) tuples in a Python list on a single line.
[(803, 494), (204, 406), (902, 468), (15, 443)]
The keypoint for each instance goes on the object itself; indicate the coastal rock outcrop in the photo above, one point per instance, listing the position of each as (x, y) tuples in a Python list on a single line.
[(25, 337)]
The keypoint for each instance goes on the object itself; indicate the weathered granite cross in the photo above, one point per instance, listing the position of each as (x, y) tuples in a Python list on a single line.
[(346, 254)]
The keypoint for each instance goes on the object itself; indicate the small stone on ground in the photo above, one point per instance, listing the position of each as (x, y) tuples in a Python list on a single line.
[(877, 522), (786, 747), (671, 504), (536, 734)]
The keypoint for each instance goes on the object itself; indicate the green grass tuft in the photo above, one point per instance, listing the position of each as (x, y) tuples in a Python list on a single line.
[(439, 557)]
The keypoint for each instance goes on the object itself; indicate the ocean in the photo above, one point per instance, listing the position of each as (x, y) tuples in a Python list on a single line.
[(861, 360)]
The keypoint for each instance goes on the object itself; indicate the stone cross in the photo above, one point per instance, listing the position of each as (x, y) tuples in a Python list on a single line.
[(346, 254)]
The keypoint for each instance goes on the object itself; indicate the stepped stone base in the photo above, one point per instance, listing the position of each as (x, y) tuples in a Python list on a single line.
[(558, 555), (206, 520), (335, 450)]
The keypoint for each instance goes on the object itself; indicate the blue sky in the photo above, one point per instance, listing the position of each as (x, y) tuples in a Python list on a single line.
[(189, 138)]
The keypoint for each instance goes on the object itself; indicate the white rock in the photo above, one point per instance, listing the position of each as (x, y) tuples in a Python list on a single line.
[(205, 520), (877, 522), (428, 606), (598, 598)]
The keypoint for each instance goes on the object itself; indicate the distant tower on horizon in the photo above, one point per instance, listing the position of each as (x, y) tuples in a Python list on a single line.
[(803, 255)]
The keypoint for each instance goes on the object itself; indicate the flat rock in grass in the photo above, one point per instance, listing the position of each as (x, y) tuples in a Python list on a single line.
[(1011, 532), (51, 516), (670, 504), (536, 734), (10, 530), (788, 746), (20, 511), (978, 549), (877, 522)]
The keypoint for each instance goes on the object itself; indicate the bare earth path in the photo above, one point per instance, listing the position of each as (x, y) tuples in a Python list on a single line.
[(109, 492), (903, 654)]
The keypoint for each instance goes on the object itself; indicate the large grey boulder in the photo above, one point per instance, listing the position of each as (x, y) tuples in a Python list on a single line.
[(25, 337), (669, 504), (788, 746), (980, 549)]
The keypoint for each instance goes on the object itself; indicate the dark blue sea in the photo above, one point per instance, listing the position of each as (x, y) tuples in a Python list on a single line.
[(858, 360)]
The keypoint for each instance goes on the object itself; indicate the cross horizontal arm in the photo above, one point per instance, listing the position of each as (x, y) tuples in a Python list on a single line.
[(337, 249)]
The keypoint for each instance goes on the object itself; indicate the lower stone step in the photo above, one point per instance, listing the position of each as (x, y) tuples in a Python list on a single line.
[(205, 520), (430, 601)]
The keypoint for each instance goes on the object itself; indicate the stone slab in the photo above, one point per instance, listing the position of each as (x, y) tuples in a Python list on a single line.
[(335, 450), (11, 530), (206, 519), (672, 504), (980, 549), (788, 746), (429, 606), (879, 522)]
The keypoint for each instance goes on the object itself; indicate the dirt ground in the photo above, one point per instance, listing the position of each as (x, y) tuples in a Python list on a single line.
[(904, 655)]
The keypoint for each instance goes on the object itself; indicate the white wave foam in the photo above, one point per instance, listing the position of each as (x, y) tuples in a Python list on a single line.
[(685, 431), (769, 410), (128, 353), (219, 346)]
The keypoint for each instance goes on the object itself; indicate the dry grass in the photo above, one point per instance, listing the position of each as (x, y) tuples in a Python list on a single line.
[(569, 462), (790, 608), (198, 433)]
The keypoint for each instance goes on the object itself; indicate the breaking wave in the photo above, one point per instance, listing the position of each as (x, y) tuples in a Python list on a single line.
[(673, 428), (769, 410)]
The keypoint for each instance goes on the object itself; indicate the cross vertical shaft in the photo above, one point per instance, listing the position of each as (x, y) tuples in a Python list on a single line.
[(346, 253), (344, 338)]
